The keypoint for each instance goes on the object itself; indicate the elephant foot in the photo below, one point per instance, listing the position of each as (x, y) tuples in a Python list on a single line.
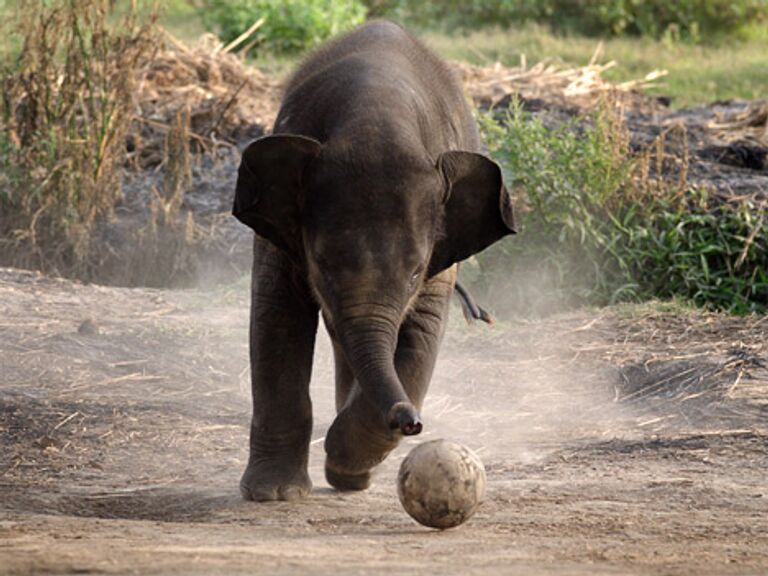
[(269, 479), (346, 482), (354, 445)]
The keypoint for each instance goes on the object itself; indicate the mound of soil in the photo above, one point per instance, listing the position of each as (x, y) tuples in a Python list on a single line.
[(723, 146), (224, 101)]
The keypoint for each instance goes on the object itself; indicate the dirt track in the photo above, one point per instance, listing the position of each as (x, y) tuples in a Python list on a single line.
[(627, 440)]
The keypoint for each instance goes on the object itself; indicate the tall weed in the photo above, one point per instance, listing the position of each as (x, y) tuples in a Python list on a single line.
[(67, 103)]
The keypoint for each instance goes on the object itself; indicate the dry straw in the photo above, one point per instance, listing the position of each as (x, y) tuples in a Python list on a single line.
[(582, 87), (66, 108)]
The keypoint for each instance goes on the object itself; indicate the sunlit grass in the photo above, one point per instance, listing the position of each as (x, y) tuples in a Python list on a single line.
[(697, 73), (182, 19)]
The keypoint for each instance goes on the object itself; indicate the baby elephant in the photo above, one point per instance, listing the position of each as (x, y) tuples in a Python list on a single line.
[(370, 190)]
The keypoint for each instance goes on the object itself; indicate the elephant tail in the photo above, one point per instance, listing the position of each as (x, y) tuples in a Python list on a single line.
[(472, 311)]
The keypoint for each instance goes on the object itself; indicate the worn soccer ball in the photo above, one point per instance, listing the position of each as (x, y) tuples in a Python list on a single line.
[(441, 484)]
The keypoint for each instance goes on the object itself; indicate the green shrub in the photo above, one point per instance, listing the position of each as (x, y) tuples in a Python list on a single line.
[(714, 256), (594, 232), (289, 25), (462, 14), (689, 19)]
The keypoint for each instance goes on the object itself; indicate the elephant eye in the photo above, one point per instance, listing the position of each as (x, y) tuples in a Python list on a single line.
[(416, 274)]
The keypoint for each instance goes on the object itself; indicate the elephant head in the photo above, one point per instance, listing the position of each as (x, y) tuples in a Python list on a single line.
[(367, 234)]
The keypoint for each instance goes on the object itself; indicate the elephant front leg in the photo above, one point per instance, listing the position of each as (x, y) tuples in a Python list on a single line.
[(359, 438), (282, 338)]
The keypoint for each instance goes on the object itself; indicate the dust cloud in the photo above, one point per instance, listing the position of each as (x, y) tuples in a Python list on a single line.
[(520, 401), (513, 392)]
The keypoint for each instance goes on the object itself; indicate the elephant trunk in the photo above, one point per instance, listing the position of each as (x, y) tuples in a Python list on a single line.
[(369, 343)]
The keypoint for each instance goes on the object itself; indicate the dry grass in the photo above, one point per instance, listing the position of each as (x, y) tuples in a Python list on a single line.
[(750, 125), (66, 108), (222, 95), (85, 101), (684, 365), (581, 87)]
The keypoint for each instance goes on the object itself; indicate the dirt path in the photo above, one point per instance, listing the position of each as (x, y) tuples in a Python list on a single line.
[(629, 440)]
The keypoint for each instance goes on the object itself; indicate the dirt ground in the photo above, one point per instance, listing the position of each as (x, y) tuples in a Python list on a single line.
[(630, 440)]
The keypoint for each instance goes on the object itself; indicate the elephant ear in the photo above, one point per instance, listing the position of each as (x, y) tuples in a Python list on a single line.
[(269, 182), (478, 208)]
